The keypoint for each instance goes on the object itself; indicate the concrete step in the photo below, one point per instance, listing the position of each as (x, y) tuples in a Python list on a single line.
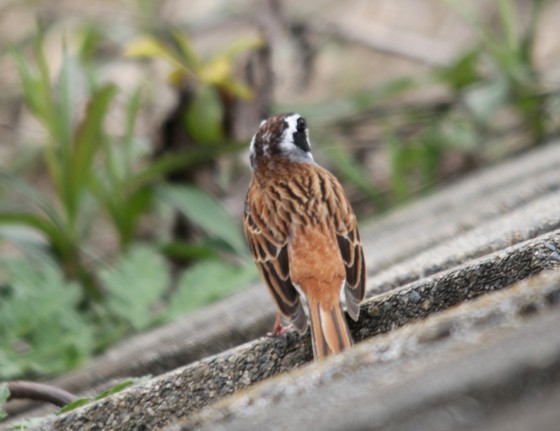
[(472, 268)]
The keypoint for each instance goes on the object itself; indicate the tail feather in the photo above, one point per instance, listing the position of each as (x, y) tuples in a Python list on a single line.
[(329, 331)]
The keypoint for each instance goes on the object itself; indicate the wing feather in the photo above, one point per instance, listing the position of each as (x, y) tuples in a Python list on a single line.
[(270, 251), (349, 243)]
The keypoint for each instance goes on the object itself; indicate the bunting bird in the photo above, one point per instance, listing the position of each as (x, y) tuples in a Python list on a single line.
[(303, 235)]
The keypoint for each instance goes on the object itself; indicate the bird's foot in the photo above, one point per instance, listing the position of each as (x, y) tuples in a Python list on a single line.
[(279, 330)]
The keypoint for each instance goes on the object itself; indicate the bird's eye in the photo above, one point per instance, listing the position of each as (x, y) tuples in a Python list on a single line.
[(301, 124)]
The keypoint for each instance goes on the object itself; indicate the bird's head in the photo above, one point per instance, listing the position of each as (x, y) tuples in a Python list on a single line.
[(285, 136)]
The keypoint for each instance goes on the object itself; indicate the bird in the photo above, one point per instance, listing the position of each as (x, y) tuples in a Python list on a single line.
[(303, 235)]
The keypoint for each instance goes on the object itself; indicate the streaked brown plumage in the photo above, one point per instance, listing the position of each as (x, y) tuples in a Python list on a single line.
[(303, 234)]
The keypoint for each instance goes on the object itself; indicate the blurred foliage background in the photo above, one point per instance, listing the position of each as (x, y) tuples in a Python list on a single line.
[(124, 130)]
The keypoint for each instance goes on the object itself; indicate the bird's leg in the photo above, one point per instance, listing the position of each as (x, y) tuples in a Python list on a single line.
[(278, 330)]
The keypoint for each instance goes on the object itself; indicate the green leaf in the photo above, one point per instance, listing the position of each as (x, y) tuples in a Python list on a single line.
[(125, 211), (205, 212), (460, 134), (237, 89), (4, 395), (67, 144), (146, 47), (150, 47), (206, 282), (463, 72), (41, 329), (135, 285), (398, 156), (89, 136), (32, 89), (33, 199), (203, 116), (90, 38), (111, 391), (74, 405), (216, 72), (188, 56), (27, 219), (132, 109), (184, 250), (486, 98), (508, 22), (64, 115), (122, 386)]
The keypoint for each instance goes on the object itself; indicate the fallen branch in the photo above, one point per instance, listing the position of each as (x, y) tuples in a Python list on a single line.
[(20, 389)]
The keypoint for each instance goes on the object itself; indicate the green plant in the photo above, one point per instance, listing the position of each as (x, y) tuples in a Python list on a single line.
[(497, 76), (207, 213), (135, 286), (500, 73), (217, 274), (207, 281), (415, 164), (4, 395), (211, 79), (121, 386), (89, 171), (69, 153), (93, 174), (42, 330), (36, 421)]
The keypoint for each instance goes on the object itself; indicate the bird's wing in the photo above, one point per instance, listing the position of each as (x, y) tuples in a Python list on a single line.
[(349, 243), (268, 236)]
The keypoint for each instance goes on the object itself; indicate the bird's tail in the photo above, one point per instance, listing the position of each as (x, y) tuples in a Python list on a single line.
[(329, 330)]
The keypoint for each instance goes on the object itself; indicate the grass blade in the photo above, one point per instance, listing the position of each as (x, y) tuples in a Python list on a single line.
[(89, 138)]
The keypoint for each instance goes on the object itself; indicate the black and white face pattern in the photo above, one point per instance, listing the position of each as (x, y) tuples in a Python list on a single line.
[(284, 135)]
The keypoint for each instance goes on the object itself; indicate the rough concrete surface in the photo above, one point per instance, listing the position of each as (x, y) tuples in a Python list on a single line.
[(452, 371), (458, 330)]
